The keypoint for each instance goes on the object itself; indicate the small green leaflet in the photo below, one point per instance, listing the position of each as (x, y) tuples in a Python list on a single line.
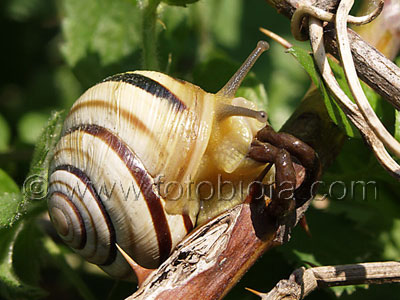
[(45, 145), (13, 203), (35, 186), (106, 31), (334, 111), (10, 197), (11, 287)]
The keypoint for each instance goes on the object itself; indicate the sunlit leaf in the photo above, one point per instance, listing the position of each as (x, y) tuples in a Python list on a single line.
[(335, 112)]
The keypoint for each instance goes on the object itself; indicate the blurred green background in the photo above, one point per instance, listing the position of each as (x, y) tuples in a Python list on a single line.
[(53, 50)]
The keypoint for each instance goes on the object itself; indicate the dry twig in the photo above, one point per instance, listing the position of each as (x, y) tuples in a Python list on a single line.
[(373, 68), (316, 32), (303, 281), (351, 75)]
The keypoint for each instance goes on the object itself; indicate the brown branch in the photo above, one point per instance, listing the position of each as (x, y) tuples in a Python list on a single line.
[(208, 262), (376, 70), (303, 281), (373, 68)]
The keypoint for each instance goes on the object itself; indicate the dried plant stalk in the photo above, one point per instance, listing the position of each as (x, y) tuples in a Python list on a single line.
[(373, 68), (303, 281), (351, 110), (348, 66)]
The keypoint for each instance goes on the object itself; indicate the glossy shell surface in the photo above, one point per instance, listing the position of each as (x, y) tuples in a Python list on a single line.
[(121, 137)]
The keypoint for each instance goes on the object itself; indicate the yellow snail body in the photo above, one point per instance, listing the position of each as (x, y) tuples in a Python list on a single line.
[(125, 136)]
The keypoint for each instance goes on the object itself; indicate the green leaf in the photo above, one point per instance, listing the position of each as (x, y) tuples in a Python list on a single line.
[(11, 286), (100, 31), (12, 204), (35, 185), (373, 98), (335, 112), (306, 60), (4, 134), (10, 199), (9, 208), (7, 184), (28, 252)]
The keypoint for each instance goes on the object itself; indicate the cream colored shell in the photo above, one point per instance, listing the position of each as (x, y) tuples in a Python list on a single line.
[(124, 141)]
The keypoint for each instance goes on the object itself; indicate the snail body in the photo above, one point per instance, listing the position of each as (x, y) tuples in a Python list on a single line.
[(131, 151)]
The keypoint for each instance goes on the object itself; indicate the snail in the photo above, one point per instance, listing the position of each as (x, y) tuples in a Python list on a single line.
[(138, 158)]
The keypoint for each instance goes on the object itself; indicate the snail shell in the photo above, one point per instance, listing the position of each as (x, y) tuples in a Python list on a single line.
[(120, 137)]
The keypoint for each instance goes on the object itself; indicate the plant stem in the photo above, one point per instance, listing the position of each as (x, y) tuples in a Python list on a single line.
[(149, 36), (303, 281)]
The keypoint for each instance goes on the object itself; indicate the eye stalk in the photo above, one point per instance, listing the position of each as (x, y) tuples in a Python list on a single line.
[(230, 88), (228, 110)]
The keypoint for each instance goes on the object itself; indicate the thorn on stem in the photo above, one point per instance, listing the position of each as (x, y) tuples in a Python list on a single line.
[(140, 272), (259, 294)]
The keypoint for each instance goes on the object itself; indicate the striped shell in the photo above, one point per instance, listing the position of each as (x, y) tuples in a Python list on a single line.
[(119, 138), (116, 139)]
